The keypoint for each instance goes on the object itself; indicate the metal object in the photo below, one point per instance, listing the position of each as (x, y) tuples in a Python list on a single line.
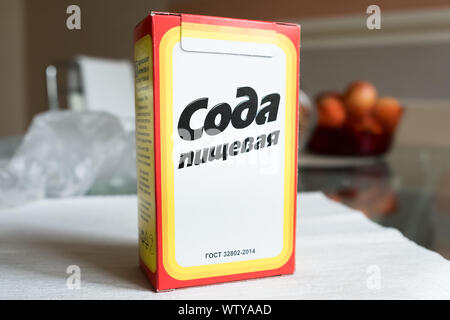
[(70, 89)]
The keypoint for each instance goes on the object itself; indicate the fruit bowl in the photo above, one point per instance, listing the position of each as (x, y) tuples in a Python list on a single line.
[(356, 123)]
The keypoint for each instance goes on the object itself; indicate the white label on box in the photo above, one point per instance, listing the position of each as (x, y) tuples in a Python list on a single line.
[(228, 210)]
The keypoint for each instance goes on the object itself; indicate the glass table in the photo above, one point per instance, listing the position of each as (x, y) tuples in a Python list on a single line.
[(408, 189)]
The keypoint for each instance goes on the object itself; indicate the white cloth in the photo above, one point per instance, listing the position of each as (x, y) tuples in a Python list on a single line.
[(340, 255)]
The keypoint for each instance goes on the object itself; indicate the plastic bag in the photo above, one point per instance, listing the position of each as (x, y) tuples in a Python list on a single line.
[(64, 153)]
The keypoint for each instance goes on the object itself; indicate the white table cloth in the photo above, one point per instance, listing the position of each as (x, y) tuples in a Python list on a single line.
[(340, 255)]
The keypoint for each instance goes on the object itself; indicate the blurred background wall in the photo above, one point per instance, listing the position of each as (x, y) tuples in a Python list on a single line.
[(34, 34), (408, 58), (413, 43), (12, 75)]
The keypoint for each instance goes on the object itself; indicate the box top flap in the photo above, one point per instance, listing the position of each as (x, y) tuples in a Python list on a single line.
[(227, 36)]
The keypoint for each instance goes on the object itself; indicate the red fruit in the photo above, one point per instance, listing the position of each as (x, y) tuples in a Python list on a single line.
[(366, 124), (388, 112), (360, 98), (331, 112)]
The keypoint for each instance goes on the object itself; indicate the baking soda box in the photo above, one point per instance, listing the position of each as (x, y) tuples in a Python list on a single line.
[(216, 141)]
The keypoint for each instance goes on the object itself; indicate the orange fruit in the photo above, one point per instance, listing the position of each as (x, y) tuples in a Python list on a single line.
[(388, 112), (331, 112), (326, 94), (366, 124), (360, 98)]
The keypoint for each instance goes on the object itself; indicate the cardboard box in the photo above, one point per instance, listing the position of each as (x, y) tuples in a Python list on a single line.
[(216, 134)]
